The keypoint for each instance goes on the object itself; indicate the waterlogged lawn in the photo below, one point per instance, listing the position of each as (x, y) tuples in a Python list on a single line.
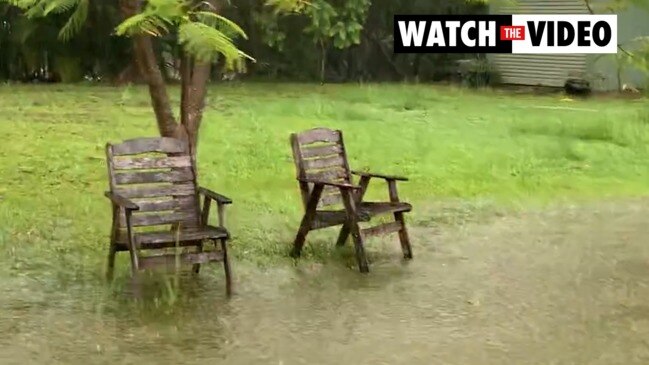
[(464, 152)]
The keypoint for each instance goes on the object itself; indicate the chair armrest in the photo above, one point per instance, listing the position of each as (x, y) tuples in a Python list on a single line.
[(218, 198), (121, 201), (329, 183), (380, 176)]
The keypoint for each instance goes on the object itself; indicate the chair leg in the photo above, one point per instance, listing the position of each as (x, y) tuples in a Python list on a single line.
[(305, 226), (132, 247), (352, 223), (363, 266), (300, 238), (135, 265), (343, 236), (403, 232), (226, 267), (196, 268), (112, 252), (403, 236)]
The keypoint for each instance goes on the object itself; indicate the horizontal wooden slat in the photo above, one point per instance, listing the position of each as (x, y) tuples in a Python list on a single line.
[(325, 218), (382, 229), (318, 135), (144, 145), (324, 163), (328, 218), (156, 219), (151, 162), (189, 234), (330, 199), (122, 242), (160, 239), (165, 204), (333, 175), (328, 190), (157, 205), (374, 209), (183, 259), (140, 177), (155, 191), (321, 151)]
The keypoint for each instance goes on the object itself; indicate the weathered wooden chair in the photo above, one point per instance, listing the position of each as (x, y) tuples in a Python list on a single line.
[(325, 180), (153, 184)]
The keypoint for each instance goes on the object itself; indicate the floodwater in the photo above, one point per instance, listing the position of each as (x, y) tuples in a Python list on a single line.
[(567, 286)]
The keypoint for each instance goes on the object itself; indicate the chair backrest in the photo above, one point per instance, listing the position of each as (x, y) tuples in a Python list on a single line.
[(157, 174), (320, 154)]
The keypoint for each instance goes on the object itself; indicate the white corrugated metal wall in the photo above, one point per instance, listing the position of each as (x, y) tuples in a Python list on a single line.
[(543, 70)]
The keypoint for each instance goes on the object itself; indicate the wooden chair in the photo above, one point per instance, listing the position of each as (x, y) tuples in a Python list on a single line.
[(325, 180), (153, 184)]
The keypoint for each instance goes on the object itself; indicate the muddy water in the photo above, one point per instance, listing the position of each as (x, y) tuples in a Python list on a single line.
[(569, 286)]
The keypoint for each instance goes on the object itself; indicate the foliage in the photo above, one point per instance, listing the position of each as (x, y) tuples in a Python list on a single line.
[(157, 16), (340, 23), (636, 52), (42, 8), (478, 72), (202, 33), (287, 6), (284, 38), (279, 39)]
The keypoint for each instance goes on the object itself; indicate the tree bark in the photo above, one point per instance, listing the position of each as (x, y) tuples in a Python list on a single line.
[(193, 91), (185, 90), (323, 61), (194, 75), (148, 64), (196, 103)]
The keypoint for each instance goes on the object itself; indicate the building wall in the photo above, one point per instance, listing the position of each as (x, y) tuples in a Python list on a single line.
[(554, 70), (539, 70)]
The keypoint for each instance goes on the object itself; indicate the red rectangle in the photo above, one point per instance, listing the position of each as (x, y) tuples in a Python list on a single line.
[(512, 32)]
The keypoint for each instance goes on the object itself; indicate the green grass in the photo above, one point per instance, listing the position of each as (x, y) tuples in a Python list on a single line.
[(485, 150)]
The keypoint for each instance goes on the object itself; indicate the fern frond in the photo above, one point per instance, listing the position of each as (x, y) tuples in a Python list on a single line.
[(143, 23), (220, 22), (59, 6), (36, 10), (75, 22), (205, 43), (155, 20), (23, 4), (167, 9)]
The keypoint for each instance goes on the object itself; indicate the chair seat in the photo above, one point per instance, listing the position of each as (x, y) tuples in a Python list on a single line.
[(366, 211), (162, 239)]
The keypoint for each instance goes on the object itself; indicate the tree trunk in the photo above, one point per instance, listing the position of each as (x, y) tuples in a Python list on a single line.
[(193, 91), (200, 77), (148, 64), (323, 61), (147, 61), (194, 78)]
